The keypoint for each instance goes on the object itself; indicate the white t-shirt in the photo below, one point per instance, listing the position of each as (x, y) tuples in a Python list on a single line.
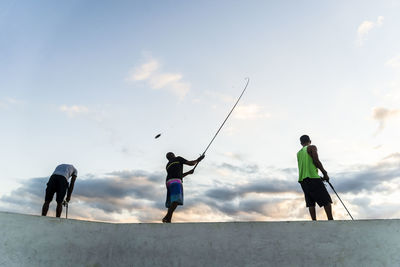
[(66, 170)]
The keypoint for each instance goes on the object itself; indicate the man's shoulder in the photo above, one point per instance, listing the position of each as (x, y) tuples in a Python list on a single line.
[(180, 159), (65, 165), (311, 149)]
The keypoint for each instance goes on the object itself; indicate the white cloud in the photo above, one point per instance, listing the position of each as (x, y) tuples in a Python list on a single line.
[(394, 62), (156, 79), (250, 112), (163, 80), (382, 115), (144, 71), (365, 27), (74, 110)]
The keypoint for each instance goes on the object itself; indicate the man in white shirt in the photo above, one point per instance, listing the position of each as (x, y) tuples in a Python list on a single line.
[(58, 183)]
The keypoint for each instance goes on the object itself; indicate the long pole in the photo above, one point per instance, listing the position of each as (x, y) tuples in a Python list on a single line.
[(340, 199), (222, 125)]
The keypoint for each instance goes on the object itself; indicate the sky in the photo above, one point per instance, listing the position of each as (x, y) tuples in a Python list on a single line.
[(91, 83)]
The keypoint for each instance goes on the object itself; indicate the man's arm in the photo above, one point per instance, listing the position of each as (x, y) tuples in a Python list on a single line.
[(194, 162), (187, 173), (71, 188), (312, 151)]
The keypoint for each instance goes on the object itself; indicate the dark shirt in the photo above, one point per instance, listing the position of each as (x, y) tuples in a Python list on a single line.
[(175, 168)]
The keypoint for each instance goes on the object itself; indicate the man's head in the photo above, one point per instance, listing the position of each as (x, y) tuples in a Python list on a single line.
[(305, 140), (170, 155)]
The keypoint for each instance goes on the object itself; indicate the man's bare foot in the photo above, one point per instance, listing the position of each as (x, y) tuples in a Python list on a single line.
[(165, 220)]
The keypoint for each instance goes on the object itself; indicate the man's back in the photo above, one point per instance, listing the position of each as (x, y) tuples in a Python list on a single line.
[(175, 168), (307, 168), (66, 170)]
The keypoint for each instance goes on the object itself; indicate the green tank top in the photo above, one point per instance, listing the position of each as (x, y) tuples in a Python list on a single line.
[(307, 169)]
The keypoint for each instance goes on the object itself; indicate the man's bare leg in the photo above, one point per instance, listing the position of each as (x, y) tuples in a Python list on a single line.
[(45, 208), (171, 209), (59, 210), (328, 211), (312, 213)]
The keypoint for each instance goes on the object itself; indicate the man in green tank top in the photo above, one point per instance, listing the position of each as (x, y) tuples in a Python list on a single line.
[(310, 181)]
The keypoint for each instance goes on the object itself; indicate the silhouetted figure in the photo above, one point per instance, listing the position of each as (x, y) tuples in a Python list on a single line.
[(174, 182), (309, 179), (58, 183)]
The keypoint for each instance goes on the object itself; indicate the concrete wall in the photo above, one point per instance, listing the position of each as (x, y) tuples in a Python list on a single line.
[(42, 241)]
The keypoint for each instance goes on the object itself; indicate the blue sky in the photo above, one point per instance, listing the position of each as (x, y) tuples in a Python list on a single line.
[(92, 82)]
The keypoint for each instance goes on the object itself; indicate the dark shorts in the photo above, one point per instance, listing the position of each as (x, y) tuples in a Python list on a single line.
[(315, 191), (56, 184)]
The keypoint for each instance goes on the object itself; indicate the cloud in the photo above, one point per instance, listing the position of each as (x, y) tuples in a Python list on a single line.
[(382, 115), (365, 27), (250, 112), (74, 110), (156, 79), (248, 193), (394, 62), (144, 71), (163, 80)]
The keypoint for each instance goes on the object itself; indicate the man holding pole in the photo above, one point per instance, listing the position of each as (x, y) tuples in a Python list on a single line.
[(310, 181), (58, 183), (174, 182)]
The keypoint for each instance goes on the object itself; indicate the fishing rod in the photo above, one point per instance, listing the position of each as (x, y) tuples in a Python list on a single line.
[(340, 199), (212, 140)]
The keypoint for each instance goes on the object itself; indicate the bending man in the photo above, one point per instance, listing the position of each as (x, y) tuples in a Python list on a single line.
[(174, 182), (58, 183), (310, 181)]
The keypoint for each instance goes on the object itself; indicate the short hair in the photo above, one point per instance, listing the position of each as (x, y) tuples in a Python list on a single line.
[(305, 139), (170, 155)]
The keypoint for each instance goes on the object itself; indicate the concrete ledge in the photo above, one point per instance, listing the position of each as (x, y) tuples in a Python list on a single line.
[(27, 240)]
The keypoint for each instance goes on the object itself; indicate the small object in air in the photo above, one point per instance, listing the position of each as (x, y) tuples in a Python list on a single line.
[(158, 135)]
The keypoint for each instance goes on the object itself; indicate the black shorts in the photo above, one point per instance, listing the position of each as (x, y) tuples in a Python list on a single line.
[(315, 191), (56, 184)]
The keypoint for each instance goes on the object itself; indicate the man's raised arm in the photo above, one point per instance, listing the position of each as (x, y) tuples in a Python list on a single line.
[(194, 162)]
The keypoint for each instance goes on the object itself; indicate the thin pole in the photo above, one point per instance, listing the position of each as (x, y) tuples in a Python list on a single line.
[(65, 204), (212, 140), (340, 200)]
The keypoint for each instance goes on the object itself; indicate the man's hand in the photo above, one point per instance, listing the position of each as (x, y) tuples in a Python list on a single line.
[(68, 198), (325, 177), (200, 158)]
